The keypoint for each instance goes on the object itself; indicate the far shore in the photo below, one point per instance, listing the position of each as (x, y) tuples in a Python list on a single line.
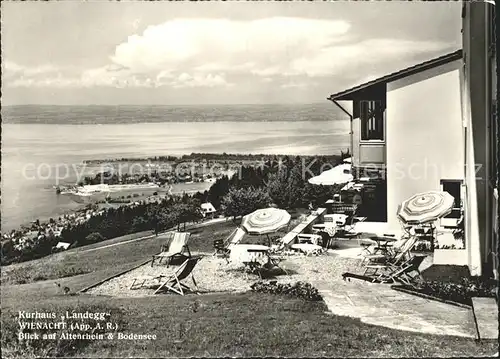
[(205, 157)]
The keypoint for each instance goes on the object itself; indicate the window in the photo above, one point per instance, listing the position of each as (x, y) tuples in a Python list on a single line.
[(491, 30), (454, 187), (371, 114)]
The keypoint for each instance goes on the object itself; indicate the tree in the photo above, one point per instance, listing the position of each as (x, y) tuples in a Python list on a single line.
[(94, 237), (318, 195), (217, 191), (9, 252), (242, 201), (187, 212), (277, 188), (295, 188)]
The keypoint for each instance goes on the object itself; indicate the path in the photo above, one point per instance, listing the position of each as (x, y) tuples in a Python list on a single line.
[(378, 304), (192, 226)]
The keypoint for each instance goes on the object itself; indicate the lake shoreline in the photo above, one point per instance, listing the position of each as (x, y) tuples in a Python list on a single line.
[(37, 157)]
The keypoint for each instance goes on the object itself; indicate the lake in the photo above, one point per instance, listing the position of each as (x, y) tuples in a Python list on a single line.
[(32, 152)]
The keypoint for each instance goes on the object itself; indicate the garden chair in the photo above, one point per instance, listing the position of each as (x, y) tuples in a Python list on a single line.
[(178, 247), (254, 263), (219, 247), (389, 250), (174, 282), (392, 259), (409, 273), (223, 248), (348, 228), (141, 281), (406, 272), (402, 273), (373, 251)]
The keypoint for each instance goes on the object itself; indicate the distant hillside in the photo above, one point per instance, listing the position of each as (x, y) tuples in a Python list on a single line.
[(47, 114)]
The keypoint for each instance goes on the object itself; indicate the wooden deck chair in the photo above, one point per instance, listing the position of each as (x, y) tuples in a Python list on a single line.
[(405, 273), (141, 281), (178, 247), (391, 249), (174, 282), (399, 257)]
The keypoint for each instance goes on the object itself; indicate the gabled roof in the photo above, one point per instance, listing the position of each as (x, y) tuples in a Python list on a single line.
[(345, 95)]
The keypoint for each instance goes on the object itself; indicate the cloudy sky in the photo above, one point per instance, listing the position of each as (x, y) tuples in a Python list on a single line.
[(212, 53)]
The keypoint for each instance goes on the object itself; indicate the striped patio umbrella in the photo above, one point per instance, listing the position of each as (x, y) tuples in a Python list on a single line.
[(265, 221), (425, 207)]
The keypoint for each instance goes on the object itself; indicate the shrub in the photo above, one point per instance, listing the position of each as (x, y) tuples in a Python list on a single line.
[(299, 290), (94, 237), (460, 292), (423, 247)]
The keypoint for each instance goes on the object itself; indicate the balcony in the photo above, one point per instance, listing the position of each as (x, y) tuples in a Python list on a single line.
[(366, 153), (372, 153)]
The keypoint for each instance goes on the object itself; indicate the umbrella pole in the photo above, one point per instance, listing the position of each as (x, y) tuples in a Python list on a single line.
[(269, 240)]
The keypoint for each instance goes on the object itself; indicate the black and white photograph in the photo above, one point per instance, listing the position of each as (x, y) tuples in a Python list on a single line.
[(249, 179)]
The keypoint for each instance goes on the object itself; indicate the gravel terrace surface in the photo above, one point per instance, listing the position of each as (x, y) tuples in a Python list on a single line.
[(213, 274)]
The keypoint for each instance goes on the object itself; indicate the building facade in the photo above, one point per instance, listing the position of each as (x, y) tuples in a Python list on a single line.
[(481, 126), (433, 127)]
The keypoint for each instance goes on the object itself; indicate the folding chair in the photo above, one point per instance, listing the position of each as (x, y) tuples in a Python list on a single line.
[(389, 250), (219, 247), (177, 248), (391, 261), (347, 227), (139, 282), (409, 272), (254, 262), (174, 282), (402, 272)]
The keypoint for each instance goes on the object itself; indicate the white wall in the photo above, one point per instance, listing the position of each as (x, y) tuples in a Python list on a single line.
[(425, 140), (472, 234)]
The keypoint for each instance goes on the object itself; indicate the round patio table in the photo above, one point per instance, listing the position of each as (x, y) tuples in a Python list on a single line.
[(383, 242)]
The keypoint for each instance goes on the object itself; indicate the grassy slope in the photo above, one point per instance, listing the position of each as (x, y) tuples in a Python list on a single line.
[(78, 261), (248, 324), (107, 242)]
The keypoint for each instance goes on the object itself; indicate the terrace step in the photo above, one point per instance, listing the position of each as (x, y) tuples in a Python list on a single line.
[(486, 312)]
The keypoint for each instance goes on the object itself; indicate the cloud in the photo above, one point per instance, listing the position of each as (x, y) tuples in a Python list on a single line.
[(220, 44), (199, 80), (13, 70), (210, 52), (297, 85)]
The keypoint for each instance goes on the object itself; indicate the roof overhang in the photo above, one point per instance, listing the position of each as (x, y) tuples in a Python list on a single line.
[(372, 88)]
